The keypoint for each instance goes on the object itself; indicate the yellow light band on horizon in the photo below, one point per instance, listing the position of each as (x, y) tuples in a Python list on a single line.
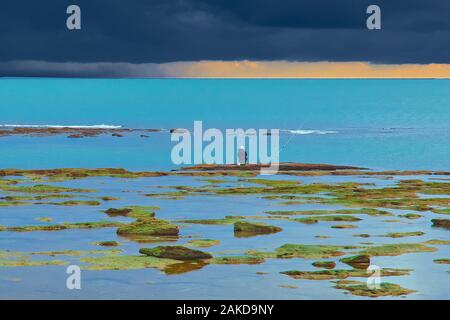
[(286, 69)]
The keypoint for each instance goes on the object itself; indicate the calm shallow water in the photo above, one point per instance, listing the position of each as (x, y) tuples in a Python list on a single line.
[(212, 281)]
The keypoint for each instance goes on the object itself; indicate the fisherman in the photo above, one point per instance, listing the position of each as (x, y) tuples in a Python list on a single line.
[(242, 156)]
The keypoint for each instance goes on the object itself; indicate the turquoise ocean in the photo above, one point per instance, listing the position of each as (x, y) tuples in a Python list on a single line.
[(379, 124)]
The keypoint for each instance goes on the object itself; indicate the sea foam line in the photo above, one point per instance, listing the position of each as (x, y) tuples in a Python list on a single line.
[(306, 132), (98, 126)]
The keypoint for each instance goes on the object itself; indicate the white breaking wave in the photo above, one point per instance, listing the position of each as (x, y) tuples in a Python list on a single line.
[(97, 126), (305, 132)]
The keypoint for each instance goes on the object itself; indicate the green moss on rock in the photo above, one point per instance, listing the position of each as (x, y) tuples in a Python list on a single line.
[(438, 242), (411, 216), (305, 251), (344, 226), (74, 203), (361, 261), (175, 253), (396, 249), (248, 229), (342, 274), (125, 262), (41, 188), (226, 220), (149, 227), (324, 264), (385, 289), (314, 219), (248, 259), (64, 226), (442, 261), (137, 212), (404, 234)]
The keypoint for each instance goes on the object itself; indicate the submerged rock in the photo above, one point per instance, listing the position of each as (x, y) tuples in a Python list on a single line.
[(397, 249), (64, 226), (405, 234), (203, 243), (185, 266), (306, 251), (411, 216), (72, 203), (315, 219), (115, 262), (223, 221), (438, 242), (287, 286), (238, 260), (42, 189), (175, 253)]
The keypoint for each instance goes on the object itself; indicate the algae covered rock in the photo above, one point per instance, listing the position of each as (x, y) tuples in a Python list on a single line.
[(411, 216), (362, 235), (133, 212), (342, 274), (308, 251), (442, 261), (404, 234), (441, 223), (175, 253), (108, 243), (361, 261), (125, 263), (65, 226), (384, 289), (438, 242), (73, 203), (344, 226), (337, 218), (247, 229), (224, 221), (112, 212), (324, 264), (397, 249), (149, 227), (238, 260)]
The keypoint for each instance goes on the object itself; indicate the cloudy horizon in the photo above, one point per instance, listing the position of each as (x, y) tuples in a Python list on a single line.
[(200, 38), (222, 69)]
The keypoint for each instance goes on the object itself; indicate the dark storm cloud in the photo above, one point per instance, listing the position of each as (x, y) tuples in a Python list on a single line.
[(157, 31)]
